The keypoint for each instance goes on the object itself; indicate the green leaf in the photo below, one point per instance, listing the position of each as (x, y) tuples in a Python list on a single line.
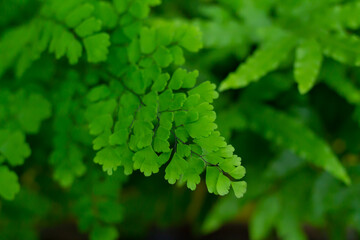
[(147, 40), (175, 169), (147, 161), (183, 79), (68, 164), (165, 33), (177, 79), (74, 51), (133, 51), (143, 135), (97, 47), (163, 57), (109, 158), (223, 185), (238, 172), (106, 13), (212, 142), (13, 147), (79, 14), (88, 27), (98, 93), (216, 182), (112, 157), (121, 5), (165, 99), (101, 124), (139, 9), (99, 116), (160, 83), (127, 159), (9, 185), (178, 55), (183, 150), (307, 64), (64, 42), (190, 38), (348, 14), (119, 137), (204, 125), (192, 173), (177, 101), (206, 91), (161, 143), (265, 59), (33, 111), (212, 175), (342, 48), (11, 44), (239, 188), (345, 88)]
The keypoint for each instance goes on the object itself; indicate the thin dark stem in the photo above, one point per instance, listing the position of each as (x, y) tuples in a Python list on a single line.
[(132, 123), (177, 110), (156, 126), (174, 149), (111, 75), (204, 160)]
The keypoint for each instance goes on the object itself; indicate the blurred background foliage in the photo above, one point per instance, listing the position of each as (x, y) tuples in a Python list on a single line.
[(279, 133)]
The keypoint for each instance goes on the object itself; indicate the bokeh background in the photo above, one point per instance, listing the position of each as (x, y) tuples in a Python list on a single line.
[(274, 128)]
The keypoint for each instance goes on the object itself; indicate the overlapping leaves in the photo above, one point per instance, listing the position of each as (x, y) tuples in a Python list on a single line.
[(148, 117), (145, 113), (145, 131), (24, 115), (323, 32)]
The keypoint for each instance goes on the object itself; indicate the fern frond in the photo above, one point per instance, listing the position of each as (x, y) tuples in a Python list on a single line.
[(348, 14), (265, 59), (9, 185), (290, 133), (307, 64), (344, 87), (342, 47), (27, 112)]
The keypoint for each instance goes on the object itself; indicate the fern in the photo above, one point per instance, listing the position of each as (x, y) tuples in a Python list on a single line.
[(331, 41), (346, 88), (9, 183), (347, 14), (263, 61), (137, 107), (97, 94), (342, 48), (71, 137), (307, 64), (143, 110), (27, 112)]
